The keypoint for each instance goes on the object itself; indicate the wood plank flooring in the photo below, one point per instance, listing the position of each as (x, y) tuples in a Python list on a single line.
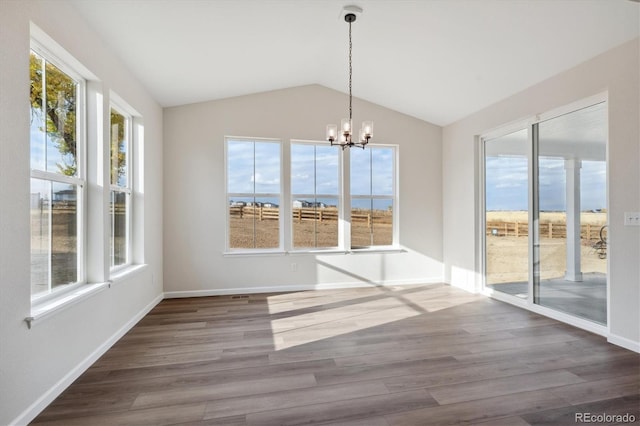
[(411, 355)]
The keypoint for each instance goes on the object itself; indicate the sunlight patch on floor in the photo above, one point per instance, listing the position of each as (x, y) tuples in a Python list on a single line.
[(354, 311)]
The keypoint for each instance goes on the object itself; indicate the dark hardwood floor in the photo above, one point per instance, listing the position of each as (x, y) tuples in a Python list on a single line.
[(414, 355)]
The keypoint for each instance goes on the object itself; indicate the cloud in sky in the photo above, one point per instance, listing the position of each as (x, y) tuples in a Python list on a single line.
[(253, 167), (507, 184), (372, 171), (314, 169)]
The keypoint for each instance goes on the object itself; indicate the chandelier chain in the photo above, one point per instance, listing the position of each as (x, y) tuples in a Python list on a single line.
[(350, 72)]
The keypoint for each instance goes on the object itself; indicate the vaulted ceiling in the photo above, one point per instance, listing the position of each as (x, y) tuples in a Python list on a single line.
[(437, 60)]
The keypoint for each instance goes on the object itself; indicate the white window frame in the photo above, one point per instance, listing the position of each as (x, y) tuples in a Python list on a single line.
[(531, 124), (127, 190), (394, 199), (228, 195), (79, 181), (339, 198)]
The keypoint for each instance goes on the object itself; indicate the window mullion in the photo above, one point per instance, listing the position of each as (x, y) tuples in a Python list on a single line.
[(371, 194), (255, 245), (57, 177), (50, 232)]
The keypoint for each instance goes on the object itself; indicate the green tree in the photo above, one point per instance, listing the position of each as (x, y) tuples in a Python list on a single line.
[(118, 140), (55, 103)]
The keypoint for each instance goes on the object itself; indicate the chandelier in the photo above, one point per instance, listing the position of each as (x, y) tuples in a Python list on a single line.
[(345, 138)]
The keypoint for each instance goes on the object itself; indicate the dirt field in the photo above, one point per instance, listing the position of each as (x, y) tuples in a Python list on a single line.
[(553, 217), (309, 233), (507, 257)]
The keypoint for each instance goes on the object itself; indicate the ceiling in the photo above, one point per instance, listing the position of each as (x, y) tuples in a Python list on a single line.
[(437, 60)]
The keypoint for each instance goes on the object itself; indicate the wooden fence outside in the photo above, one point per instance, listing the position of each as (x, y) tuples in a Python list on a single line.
[(547, 230), (303, 214)]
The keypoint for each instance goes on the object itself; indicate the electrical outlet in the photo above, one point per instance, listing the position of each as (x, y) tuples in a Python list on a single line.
[(294, 267), (631, 218)]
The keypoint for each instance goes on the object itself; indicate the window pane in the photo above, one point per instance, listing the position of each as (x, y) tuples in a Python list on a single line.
[(371, 222), (54, 241), (571, 274), (240, 167), (302, 169), (314, 171), (37, 127), (254, 222), (315, 222), (267, 168), (372, 190), (119, 145), (361, 171), (64, 234), (327, 170), (119, 238), (53, 97), (382, 171), (507, 213), (382, 217), (266, 215), (361, 230), (253, 168), (40, 235)]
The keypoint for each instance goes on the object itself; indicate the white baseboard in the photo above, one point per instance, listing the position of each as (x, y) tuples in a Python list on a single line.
[(47, 398), (303, 287), (624, 342)]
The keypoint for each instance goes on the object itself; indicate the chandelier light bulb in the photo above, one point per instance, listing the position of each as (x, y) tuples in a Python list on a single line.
[(346, 125), (332, 132), (367, 126)]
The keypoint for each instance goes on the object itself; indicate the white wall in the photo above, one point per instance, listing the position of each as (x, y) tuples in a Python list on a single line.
[(194, 197), (615, 71), (37, 363)]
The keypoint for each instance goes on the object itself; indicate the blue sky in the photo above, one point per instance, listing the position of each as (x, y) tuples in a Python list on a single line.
[(371, 171), (321, 178), (246, 175), (507, 184)]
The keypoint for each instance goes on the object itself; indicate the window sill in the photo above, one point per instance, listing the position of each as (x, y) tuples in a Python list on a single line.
[(367, 250), (253, 253), (317, 252), (119, 274), (377, 250), (58, 304)]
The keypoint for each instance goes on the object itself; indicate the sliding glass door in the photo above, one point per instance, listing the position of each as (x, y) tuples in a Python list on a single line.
[(507, 213), (572, 200), (545, 213)]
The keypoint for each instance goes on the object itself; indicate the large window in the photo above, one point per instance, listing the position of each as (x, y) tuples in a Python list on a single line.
[(318, 206), (314, 188), (373, 194), (253, 194), (120, 194), (57, 176)]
